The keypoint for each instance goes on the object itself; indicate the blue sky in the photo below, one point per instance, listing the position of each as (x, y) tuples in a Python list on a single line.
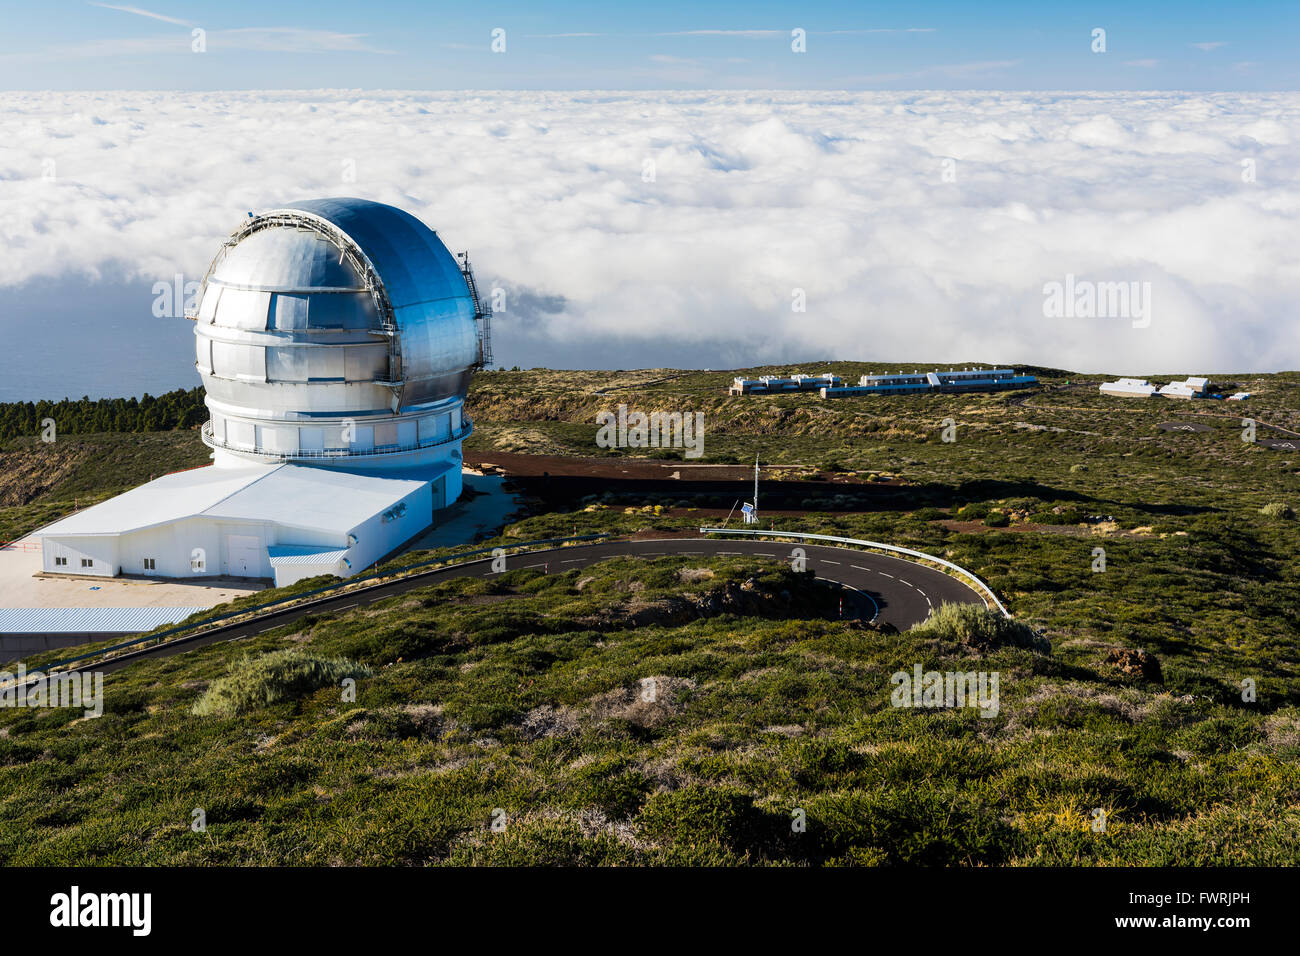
[(146, 45)]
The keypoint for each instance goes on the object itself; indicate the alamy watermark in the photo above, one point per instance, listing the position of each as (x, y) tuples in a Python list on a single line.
[(654, 430), (1085, 299), (946, 689), (36, 690)]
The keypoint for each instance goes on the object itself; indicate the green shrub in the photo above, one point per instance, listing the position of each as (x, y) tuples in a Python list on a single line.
[(1278, 510), (699, 814), (281, 675), (929, 514), (996, 519), (976, 626), (908, 826), (973, 511)]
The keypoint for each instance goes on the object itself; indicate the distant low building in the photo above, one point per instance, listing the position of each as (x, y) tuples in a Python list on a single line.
[(1239, 396), (768, 384), (1128, 388), (1191, 388), (963, 380)]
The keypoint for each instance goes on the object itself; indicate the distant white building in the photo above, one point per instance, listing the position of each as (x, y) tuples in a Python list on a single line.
[(1194, 387), (1238, 396), (1128, 388), (1191, 388)]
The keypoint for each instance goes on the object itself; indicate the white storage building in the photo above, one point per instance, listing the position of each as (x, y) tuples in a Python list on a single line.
[(284, 522), (1128, 388)]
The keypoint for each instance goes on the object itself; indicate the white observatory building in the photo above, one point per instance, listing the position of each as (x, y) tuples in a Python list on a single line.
[(335, 339)]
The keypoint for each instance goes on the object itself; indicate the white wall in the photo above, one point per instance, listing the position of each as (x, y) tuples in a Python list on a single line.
[(375, 538), (101, 549), (293, 573), (170, 546)]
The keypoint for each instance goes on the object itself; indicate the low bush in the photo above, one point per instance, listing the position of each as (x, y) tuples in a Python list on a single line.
[(281, 675), (978, 627)]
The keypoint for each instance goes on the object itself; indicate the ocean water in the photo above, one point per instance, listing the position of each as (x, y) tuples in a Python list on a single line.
[(74, 336)]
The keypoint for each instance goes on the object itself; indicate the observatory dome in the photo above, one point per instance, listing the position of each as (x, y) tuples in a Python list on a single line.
[(339, 332)]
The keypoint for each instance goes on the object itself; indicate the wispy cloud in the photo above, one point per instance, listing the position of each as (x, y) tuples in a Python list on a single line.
[(1211, 45), (1144, 64), (263, 39), (751, 34), (764, 34), (291, 40), (880, 30), (141, 12)]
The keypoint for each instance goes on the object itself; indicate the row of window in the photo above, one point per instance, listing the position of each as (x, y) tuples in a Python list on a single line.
[(361, 362), (294, 439), (150, 564)]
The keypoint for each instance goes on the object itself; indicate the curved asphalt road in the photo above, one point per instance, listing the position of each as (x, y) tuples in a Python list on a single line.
[(887, 589)]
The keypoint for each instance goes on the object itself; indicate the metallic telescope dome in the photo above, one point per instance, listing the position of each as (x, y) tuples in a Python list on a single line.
[(334, 310)]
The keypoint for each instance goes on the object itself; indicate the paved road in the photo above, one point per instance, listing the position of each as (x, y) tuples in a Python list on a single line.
[(890, 590)]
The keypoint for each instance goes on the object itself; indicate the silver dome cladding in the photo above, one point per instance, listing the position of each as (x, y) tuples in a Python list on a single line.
[(431, 304), (349, 264)]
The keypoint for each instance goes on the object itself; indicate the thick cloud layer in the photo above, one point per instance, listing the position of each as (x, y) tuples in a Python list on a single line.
[(628, 230)]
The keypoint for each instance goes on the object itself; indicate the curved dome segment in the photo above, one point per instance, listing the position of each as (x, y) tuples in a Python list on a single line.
[(285, 260), (432, 306)]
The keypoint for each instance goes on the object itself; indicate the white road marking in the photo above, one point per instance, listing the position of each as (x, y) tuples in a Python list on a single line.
[(768, 554), (824, 561), (573, 560), (888, 575), (859, 567), (908, 583)]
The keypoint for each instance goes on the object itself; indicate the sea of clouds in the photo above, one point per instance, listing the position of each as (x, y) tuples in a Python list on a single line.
[(645, 229)]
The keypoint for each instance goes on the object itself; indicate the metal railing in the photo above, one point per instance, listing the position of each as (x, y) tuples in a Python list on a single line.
[(202, 626), (466, 429), (987, 591)]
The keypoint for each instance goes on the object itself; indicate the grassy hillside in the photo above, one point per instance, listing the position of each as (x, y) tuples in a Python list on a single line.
[(638, 712), (524, 694)]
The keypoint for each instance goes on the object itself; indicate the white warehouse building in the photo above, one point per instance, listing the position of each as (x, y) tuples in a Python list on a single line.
[(335, 340)]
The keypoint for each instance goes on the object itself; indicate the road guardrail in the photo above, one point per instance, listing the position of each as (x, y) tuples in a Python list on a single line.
[(984, 588)]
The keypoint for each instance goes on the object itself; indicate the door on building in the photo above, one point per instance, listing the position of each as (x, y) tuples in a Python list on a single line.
[(243, 555)]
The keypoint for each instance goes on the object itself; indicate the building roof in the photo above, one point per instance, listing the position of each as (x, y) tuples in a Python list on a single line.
[(296, 496), (283, 555), (93, 620)]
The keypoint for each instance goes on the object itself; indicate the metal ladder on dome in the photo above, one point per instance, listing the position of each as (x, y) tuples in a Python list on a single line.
[(482, 316)]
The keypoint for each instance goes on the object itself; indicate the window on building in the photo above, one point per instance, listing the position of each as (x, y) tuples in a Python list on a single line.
[(150, 564), (60, 561), (87, 562)]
